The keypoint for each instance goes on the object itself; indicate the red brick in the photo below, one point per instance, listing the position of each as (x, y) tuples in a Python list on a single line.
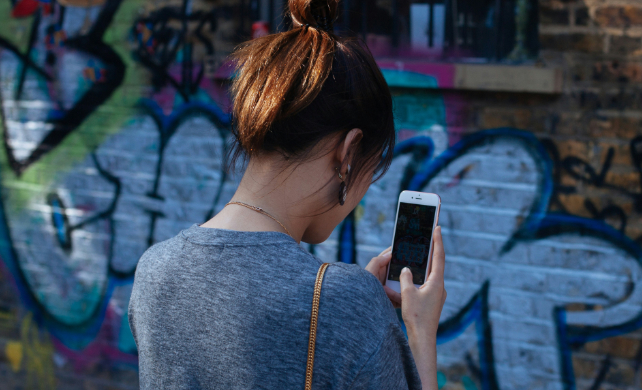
[(574, 204), (553, 16), (633, 72), (582, 16), (569, 124), (621, 374), (568, 180), (583, 43), (600, 127), (629, 181), (622, 155), (624, 45), (634, 231), (574, 148), (617, 71), (622, 128), (619, 16), (584, 368), (506, 117)]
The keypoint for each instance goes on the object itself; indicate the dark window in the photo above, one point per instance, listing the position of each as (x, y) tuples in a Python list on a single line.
[(445, 29), (469, 30)]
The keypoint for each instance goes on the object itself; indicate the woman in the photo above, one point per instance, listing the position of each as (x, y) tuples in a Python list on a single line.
[(227, 304)]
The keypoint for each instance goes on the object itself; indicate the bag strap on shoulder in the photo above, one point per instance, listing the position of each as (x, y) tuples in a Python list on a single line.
[(313, 325)]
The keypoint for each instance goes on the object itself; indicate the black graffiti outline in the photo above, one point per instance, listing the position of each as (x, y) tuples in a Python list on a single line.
[(33, 34), (42, 313), (165, 134), (170, 42), (540, 223), (91, 43), (488, 375), (585, 173), (166, 131), (601, 374)]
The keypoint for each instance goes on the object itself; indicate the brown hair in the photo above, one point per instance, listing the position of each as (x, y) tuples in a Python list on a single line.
[(294, 88)]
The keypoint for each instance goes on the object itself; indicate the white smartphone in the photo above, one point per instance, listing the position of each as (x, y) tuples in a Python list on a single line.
[(417, 216)]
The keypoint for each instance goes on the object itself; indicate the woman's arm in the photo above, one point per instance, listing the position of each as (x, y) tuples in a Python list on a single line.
[(420, 308), (424, 352)]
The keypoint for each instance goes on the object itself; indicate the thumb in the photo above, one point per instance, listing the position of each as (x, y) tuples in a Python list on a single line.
[(405, 281)]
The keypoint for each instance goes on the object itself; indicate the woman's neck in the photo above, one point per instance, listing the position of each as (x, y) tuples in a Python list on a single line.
[(291, 195)]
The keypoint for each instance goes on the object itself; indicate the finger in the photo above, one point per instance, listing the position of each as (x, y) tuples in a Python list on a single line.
[(438, 256), (389, 249), (381, 260), (394, 296), (378, 266), (405, 281)]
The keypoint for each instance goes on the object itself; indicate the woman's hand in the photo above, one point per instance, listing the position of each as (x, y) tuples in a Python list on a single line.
[(421, 310), (378, 266), (422, 306)]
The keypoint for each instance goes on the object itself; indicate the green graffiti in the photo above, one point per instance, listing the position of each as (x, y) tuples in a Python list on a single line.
[(400, 78), (105, 121), (441, 379), (468, 383), (419, 110)]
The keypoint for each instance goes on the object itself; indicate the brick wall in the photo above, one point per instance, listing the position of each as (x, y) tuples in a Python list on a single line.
[(110, 147)]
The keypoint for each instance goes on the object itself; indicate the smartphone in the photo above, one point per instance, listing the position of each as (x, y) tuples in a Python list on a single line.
[(412, 242)]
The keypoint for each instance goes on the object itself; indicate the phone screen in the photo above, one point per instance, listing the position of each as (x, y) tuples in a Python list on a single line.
[(411, 246)]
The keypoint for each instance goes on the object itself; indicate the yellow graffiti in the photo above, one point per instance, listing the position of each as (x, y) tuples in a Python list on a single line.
[(81, 3), (358, 212), (13, 350), (38, 356), (6, 316)]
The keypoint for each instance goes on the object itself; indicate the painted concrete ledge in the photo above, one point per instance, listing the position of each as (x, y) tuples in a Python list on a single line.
[(442, 75), (481, 77)]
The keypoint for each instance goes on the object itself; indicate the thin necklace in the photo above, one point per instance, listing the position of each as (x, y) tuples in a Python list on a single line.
[(260, 210)]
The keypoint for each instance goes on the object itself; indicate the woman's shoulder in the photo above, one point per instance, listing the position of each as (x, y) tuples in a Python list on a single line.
[(352, 276), (162, 249), (356, 292)]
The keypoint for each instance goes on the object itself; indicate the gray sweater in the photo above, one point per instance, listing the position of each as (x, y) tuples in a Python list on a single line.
[(223, 309)]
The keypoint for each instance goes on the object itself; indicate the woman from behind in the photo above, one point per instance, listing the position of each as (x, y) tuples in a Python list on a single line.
[(227, 304)]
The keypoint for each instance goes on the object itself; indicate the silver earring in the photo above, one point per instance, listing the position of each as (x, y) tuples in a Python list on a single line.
[(343, 192)]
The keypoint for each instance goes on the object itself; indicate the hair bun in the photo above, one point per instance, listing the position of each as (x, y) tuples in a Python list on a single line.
[(319, 14)]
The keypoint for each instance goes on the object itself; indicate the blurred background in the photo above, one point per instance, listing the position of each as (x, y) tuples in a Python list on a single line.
[(524, 115)]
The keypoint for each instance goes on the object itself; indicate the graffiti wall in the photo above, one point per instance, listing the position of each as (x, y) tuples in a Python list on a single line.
[(115, 124)]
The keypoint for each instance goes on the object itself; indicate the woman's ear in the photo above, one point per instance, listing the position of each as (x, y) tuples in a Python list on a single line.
[(348, 147)]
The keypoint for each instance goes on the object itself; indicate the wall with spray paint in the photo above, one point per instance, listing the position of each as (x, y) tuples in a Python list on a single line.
[(115, 126)]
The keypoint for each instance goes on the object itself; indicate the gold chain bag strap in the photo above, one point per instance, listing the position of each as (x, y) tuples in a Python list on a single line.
[(313, 325)]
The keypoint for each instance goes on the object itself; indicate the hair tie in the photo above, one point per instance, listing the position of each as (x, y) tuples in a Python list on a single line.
[(307, 26), (323, 22)]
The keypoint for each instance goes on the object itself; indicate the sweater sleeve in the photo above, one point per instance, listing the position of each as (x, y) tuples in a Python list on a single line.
[(390, 366)]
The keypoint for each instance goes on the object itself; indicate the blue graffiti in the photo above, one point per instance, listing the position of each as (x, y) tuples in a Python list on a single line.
[(419, 172), (538, 224)]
